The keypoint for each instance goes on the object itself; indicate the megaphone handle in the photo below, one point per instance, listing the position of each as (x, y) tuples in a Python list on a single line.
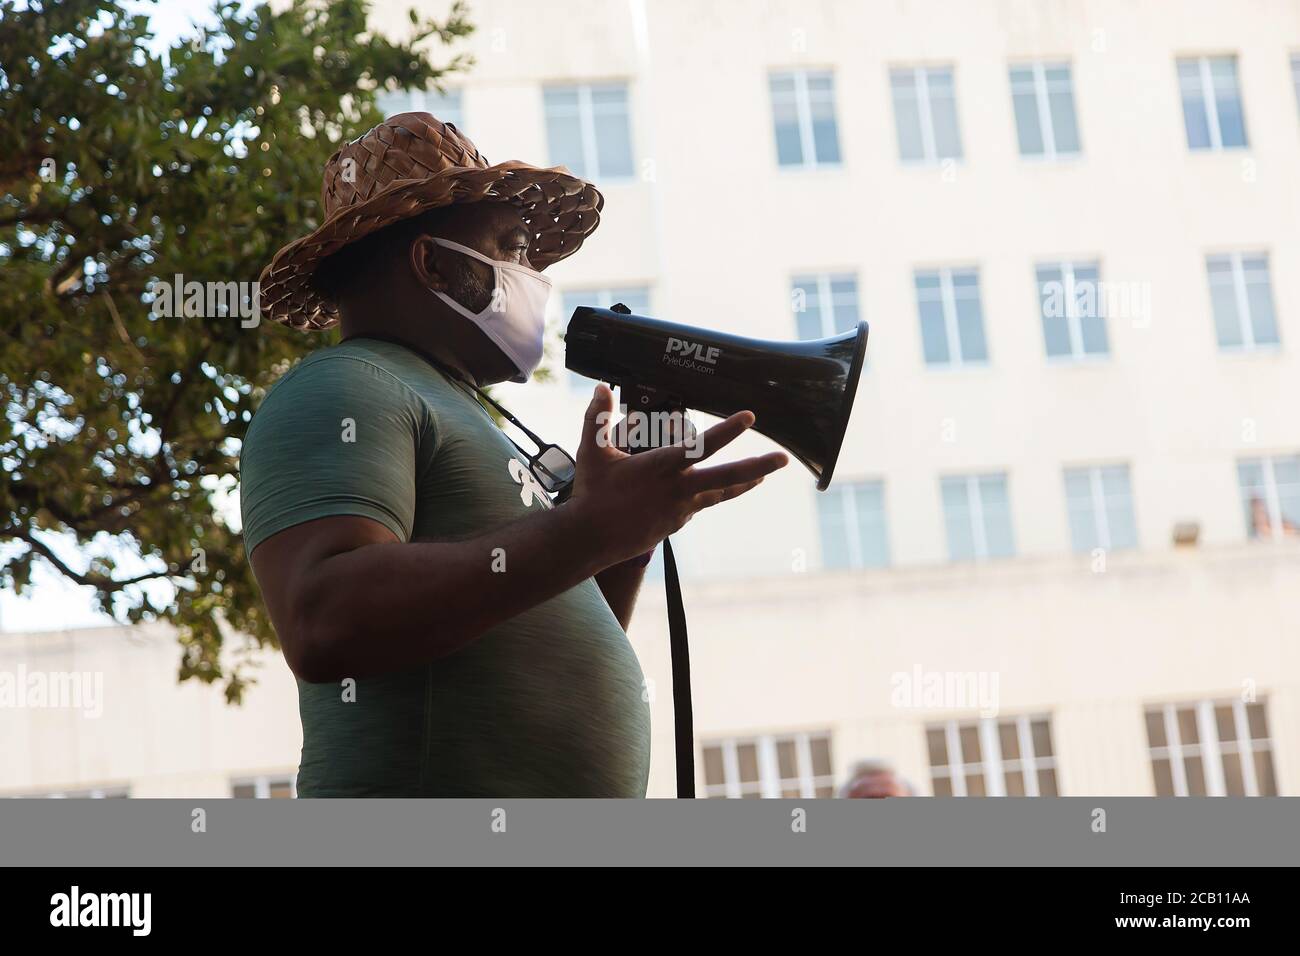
[(683, 716)]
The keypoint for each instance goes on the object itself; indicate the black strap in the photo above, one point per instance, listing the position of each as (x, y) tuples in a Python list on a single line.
[(683, 718)]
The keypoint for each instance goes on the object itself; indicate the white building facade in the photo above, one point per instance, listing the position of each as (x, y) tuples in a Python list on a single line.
[(1060, 555)]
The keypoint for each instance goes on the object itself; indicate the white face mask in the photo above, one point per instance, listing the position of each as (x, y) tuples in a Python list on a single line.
[(515, 319)]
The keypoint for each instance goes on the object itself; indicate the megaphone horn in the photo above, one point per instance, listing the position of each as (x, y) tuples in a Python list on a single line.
[(801, 393)]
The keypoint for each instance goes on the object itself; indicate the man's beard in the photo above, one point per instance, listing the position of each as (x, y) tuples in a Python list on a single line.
[(471, 291)]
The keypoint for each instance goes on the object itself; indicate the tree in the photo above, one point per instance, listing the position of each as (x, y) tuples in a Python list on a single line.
[(121, 166)]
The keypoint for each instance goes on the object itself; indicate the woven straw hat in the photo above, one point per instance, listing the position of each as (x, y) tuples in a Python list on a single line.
[(408, 164)]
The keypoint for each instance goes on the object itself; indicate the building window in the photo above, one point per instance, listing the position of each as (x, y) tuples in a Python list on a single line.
[(952, 322), (1211, 102), (284, 787), (636, 298), (803, 115), (1242, 298), (97, 793), (977, 513), (1100, 505), (1211, 748), (1073, 310), (784, 765), (446, 105), (851, 516), (589, 130), (824, 305), (1042, 96), (1270, 495), (992, 757), (925, 114)]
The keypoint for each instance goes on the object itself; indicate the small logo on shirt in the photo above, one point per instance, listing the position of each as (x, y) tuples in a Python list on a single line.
[(530, 487)]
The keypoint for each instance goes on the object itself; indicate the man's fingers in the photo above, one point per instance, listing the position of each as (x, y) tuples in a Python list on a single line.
[(710, 498), (595, 425), (719, 436), (736, 472)]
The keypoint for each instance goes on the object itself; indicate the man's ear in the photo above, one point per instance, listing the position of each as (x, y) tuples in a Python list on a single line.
[(428, 262)]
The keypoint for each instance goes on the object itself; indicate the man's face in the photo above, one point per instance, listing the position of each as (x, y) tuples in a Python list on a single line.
[(498, 231)]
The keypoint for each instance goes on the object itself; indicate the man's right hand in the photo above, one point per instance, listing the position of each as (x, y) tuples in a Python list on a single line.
[(629, 503)]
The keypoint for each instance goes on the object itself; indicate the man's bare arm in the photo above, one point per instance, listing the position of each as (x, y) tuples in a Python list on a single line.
[(620, 584), (349, 599)]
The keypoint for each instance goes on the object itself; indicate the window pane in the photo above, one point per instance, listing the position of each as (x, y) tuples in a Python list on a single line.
[(785, 120), (713, 767), (1195, 776), (1233, 782), (1052, 303), (747, 760), (1254, 497), (957, 519), (942, 787), (1028, 129), (873, 538), (1164, 777), (1120, 522), (934, 335), (1089, 308), (821, 756), (785, 759), (564, 139), (834, 533), (1060, 100), (970, 321), (1047, 783), (938, 744), (1225, 722), (1156, 729), (1080, 510), (1042, 732), (613, 132), (1009, 739), (1187, 730), (844, 303), (975, 785), (1014, 783), (907, 115), (996, 509), (806, 302), (1286, 478), (1223, 300), (943, 113), (1193, 96), (821, 97), (1227, 100), (1257, 722), (1264, 778), (970, 744), (1259, 298)]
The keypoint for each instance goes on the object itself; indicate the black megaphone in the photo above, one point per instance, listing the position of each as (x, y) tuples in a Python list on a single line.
[(801, 393)]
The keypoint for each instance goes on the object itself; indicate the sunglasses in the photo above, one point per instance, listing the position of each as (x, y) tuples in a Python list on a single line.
[(552, 466)]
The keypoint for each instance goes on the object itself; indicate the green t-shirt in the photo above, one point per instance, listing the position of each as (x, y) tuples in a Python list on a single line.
[(549, 703)]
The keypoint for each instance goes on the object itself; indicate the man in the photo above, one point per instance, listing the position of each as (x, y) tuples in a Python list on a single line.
[(453, 631), (875, 779)]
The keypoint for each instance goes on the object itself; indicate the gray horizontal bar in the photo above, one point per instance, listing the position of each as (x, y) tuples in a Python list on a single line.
[(1059, 831)]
